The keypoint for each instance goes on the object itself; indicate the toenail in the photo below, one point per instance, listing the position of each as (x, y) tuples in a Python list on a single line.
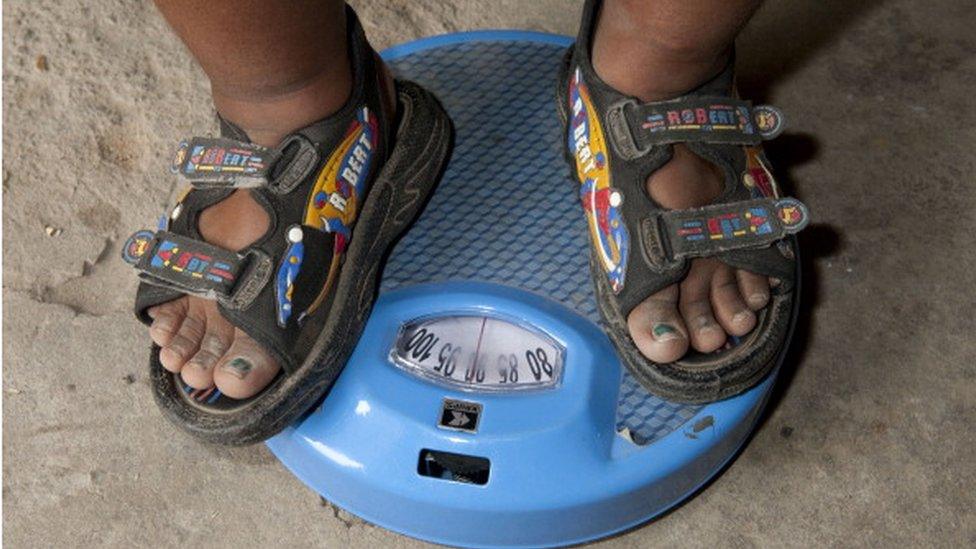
[(180, 346), (213, 345), (238, 368), (702, 322), (164, 322), (665, 332), (705, 325), (204, 362), (757, 299), (741, 317)]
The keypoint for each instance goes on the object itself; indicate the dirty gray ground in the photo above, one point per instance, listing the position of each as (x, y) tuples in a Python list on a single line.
[(871, 443)]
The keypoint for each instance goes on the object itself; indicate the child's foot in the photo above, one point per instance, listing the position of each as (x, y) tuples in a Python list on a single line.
[(257, 285), (683, 213), (196, 340), (714, 300)]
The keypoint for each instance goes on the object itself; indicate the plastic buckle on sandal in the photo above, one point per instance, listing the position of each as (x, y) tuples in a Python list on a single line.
[(298, 158), (217, 162), (655, 246), (675, 235), (257, 272), (620, 134)]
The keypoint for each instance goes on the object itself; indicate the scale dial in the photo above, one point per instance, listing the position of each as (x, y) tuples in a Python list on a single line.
[(479, 353)]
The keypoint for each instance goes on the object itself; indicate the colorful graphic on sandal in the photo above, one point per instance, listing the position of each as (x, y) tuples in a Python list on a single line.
[(333, 203), (769, 120), (208, 395), (757, 177), (334, 200), (713, 118), (600, 200), (136, 246), (751, 221), (204, 155), (792, 214), (291, 264), (193, 264)]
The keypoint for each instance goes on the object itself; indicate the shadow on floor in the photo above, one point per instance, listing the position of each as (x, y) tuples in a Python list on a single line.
[(784, 36)]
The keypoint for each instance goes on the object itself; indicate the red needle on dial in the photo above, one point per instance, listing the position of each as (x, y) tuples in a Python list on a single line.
[(481, 334)]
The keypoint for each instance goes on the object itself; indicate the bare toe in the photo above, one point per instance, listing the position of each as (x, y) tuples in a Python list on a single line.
[(245, 368), (166, 321), (705, 332), (183, 345), (730, 309), (657, 328), (754, 289), (198, 371)]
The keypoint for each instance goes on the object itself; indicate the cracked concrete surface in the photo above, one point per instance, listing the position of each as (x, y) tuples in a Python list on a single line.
[(870, 441)]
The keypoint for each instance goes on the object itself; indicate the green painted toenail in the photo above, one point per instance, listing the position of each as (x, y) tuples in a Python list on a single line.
[(238, 367), (664, 332)]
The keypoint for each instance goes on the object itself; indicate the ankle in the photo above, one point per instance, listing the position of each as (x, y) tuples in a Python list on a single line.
[(641, 56), (652, 74), (655, 78), (268, 114)]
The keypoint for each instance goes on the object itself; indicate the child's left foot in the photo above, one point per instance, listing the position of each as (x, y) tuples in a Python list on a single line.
[(687, 228), (714, 301)]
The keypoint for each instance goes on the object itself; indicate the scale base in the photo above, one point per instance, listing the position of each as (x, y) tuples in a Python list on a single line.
[(504, 237)]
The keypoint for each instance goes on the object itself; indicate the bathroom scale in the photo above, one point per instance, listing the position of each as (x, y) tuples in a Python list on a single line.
[(484, 406)]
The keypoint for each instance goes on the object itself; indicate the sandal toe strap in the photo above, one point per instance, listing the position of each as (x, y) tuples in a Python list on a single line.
[(195, 267), (749, 234), (672, 236)]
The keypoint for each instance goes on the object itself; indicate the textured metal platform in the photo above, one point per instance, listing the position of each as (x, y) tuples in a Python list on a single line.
[(506, 210)]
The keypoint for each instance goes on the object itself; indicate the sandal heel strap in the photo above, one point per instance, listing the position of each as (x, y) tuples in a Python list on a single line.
[(672, 236), (195, 267)]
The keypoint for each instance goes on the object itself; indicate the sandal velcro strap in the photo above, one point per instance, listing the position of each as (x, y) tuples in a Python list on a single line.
[(672, 236), (195, 267), (219, 162), (635, 128)]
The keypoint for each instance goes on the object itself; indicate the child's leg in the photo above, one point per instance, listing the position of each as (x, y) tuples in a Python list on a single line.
[(274, 66), (658, 50)]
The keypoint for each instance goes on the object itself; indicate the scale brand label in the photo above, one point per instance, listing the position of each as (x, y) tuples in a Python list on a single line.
[(460, 415)]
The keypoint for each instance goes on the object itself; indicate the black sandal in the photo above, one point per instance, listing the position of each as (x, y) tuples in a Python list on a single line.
[(614, 142), (338, 194)]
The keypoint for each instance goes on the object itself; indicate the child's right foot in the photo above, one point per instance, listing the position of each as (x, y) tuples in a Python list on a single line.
[(258, 288), (196, 341)]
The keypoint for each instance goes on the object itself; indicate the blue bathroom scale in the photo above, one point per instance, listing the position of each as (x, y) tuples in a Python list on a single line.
[(484, 406)]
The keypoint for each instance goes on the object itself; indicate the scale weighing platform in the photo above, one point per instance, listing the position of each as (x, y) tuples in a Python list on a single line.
[(484, 406)]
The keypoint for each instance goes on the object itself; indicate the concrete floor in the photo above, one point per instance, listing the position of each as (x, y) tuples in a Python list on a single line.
[(870, 441)]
